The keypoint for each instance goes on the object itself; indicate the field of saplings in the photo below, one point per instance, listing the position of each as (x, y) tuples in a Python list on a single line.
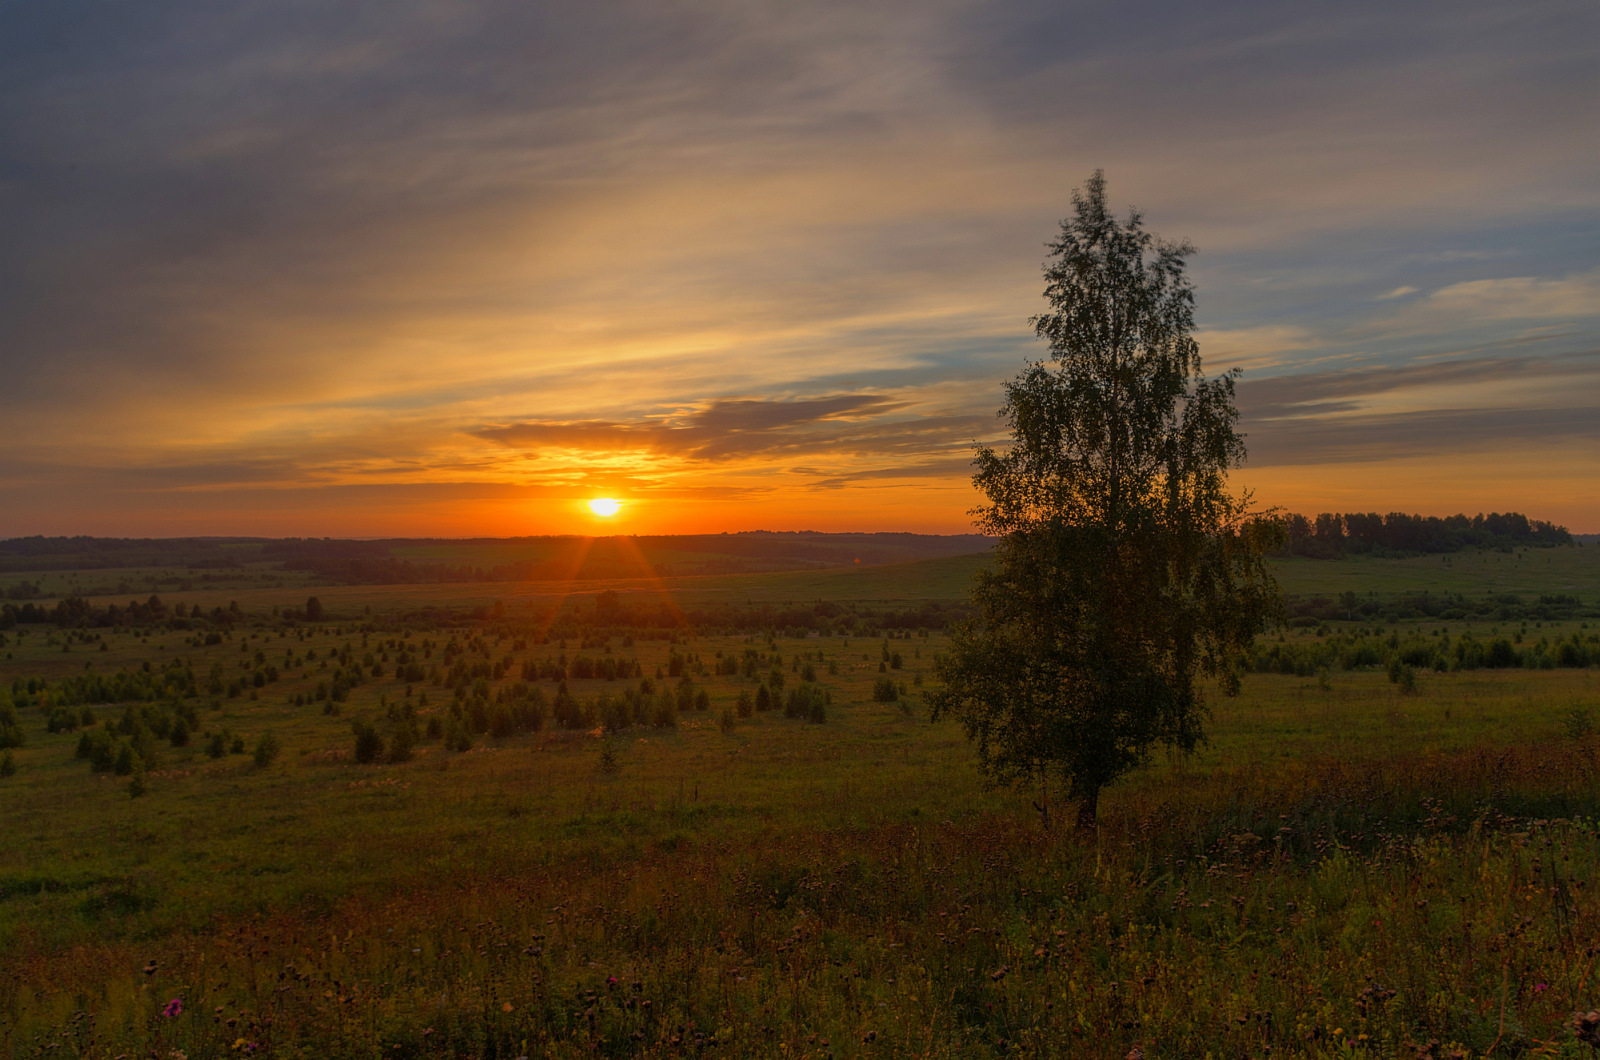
[(639, 825)]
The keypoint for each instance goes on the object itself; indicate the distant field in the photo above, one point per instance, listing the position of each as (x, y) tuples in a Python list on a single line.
[(772, 885), (1569, 570), (1531, 572)]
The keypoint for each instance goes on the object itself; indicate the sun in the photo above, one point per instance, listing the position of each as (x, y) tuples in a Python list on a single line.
[(605, 506)]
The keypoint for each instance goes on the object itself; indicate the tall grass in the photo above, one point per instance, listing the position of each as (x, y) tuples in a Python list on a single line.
[(1317, 908)]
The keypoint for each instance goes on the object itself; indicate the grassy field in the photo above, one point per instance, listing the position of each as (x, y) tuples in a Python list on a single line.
[(1348, 869), (1531, 572)]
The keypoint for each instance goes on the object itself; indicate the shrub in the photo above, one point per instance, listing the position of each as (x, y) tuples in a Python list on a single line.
[(100, 748), (369, 745), (456, 736), (746, 703), (807, 701), (267, 749), (405, 738), (217, 746), (137, 785), (884, 690), (8, 765), (726, 722), (10, 728), (180, 733)]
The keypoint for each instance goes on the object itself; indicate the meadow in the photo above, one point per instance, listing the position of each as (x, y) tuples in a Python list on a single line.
[(573, 839)]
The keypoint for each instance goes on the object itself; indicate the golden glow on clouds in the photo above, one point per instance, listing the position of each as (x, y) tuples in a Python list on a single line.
[(658, 265)]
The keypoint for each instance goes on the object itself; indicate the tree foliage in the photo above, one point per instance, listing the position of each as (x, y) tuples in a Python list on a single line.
[(1125, 568)]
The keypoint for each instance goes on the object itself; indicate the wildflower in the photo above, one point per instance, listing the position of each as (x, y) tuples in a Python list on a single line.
[(174, 1007), (1539, 988)]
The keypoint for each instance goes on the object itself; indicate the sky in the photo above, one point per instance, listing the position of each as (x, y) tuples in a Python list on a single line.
[(455, 267)]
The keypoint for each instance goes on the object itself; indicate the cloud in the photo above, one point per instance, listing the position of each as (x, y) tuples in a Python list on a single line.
[(1381, 414), (1254, 348), (1495, 301), (1398, 292), (1435, 432), (333, 242), (1283, 395), (959, 470), (724, 428)]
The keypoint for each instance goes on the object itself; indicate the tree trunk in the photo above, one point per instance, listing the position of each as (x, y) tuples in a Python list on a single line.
[(1088, 810)]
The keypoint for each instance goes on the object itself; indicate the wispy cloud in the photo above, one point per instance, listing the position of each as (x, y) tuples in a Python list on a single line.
[(693, 248)]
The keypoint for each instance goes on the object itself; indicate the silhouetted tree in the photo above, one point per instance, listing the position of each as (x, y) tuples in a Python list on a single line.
[(1125, 568)]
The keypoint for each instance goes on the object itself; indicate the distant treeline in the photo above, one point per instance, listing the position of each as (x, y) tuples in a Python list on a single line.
[(561, 558), (487, 559), (75, 612), (1447, 607), (101, 553), (592, 618), (1414, 651), (1331, 535), (579, 617)]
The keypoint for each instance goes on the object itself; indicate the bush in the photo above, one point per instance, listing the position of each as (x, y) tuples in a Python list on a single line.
[(746, 703), (405, 738), (884, 690), (369, 745), (180, 733), (726, 722), (456, 736), (10, 728), (217, 746), (8, 765), (100, 748), (267, 749)]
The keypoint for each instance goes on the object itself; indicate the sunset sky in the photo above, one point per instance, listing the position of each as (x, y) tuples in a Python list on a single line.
[(439, 267)]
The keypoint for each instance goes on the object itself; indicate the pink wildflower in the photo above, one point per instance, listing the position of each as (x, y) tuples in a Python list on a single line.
[(174, 1007)]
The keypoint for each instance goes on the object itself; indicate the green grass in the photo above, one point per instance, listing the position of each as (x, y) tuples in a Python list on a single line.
[(850, 889), (1532, 572)]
